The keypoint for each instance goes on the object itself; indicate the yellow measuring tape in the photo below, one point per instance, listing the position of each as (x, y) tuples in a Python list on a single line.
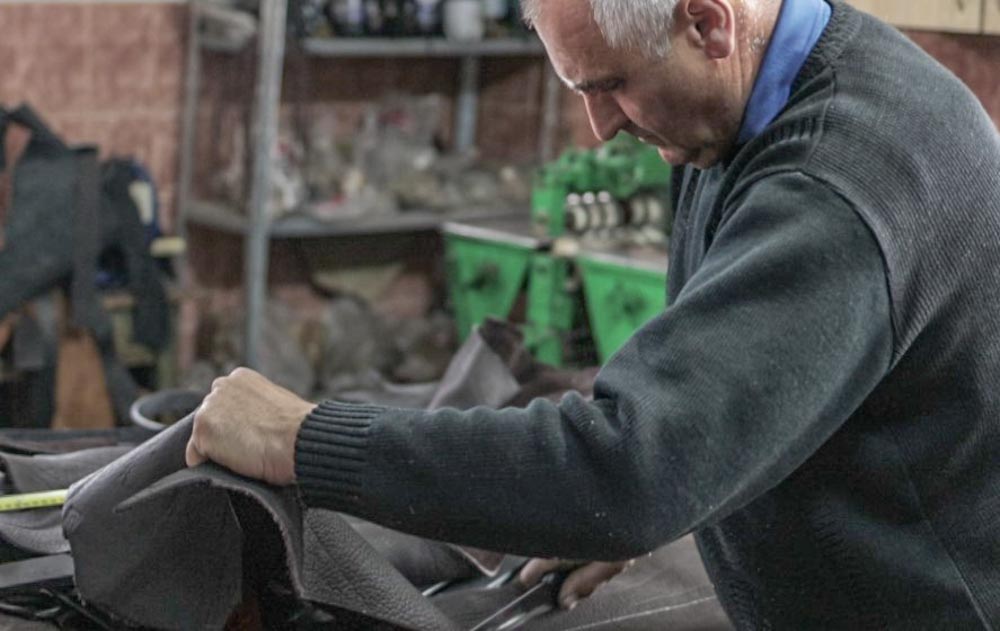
[(25, 501)]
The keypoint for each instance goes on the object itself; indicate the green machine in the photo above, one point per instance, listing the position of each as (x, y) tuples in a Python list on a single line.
[(491, 267), (619, 189), (623, 183), (623, 292)]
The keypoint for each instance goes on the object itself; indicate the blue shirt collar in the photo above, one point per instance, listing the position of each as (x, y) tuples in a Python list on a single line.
[(800, 25)]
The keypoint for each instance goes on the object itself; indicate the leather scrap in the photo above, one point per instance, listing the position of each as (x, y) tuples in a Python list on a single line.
[(29, 474), (39, 531), (147, 513)]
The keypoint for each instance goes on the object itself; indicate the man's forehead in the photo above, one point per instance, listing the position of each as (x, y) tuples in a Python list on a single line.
[(576, 47)]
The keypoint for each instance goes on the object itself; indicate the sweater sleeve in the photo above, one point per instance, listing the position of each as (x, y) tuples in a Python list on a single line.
[(770, 346)]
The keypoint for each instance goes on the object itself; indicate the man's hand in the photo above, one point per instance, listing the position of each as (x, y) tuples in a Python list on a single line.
[(249, 425), (581, 582)]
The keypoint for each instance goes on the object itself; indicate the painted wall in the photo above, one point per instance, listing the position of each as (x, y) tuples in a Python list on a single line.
[(104, 73)]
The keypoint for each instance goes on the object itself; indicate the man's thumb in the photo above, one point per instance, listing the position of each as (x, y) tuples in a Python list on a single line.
[(192, 456)]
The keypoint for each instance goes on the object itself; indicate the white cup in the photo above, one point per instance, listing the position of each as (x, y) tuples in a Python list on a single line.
[(463, 20)]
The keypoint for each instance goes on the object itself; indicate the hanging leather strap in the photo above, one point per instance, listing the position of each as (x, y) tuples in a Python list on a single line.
[(86, 306)]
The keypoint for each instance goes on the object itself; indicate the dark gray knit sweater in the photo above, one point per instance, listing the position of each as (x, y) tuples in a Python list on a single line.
[(820, 402)]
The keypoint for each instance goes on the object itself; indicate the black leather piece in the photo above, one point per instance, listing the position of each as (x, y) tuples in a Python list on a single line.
[(32, 532), (477, 375), (147, 512), (669, 589), (173, 564), (49, 571), (63, 196), (39, 531), (28, 474), (423, 562), (45, 441)]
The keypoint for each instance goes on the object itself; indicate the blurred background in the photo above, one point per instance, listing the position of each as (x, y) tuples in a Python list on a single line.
[(334, 192)]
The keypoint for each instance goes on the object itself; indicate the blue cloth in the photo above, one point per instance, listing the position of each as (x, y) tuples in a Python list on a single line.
[(800, 25)]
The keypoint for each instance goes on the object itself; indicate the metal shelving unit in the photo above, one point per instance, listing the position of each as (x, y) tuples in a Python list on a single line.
[(255, 225), (356, 222), (420, 47)]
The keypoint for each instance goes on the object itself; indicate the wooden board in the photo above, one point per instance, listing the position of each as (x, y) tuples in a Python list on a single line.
[(6, 330), (991, 16), (82, 400), (959, 16)]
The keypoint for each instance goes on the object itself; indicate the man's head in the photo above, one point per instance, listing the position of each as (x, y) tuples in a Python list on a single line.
[(675, 73)]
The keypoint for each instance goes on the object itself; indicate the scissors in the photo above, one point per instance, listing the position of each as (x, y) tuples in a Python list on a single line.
[(536, 601)]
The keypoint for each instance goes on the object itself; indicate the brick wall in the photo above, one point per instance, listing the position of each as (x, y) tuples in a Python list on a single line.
[(104, 73)]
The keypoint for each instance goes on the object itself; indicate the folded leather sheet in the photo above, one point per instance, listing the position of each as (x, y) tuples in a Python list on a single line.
[(45, 441), (39, 531), (161, 545), (28, 474)]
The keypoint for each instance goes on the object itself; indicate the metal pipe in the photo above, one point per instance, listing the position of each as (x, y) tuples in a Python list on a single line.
[(265, 131), (467, 107), (551, 91)]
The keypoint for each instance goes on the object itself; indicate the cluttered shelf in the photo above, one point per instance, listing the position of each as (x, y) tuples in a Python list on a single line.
[(397, 47), (301, 224), (421, 47)]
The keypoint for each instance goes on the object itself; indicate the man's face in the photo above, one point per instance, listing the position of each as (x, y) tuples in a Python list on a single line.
[(682, 104)]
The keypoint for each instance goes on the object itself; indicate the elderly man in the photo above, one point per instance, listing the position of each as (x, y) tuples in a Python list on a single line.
[(820, 403)]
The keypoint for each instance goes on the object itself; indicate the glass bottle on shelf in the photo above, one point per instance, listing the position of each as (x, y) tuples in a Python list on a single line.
[(427, 15), (347, 17), (496, 14)]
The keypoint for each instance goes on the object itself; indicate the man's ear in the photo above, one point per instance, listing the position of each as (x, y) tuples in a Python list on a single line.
[(709, 25)]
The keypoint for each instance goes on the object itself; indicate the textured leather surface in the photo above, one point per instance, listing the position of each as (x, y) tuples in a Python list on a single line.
[(424, 562), (477, 375), (173, 564), (327, 561), (28, 474), (39, 531), (45, 441), (160, 545), (668, 590)]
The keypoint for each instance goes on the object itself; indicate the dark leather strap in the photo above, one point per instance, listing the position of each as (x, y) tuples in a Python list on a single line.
[(55, 570)]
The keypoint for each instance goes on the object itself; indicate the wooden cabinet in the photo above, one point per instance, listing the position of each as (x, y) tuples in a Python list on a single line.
[(960, 16), (991, 17)]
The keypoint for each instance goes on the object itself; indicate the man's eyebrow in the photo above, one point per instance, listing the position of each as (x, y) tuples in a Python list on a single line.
[(596, 85)]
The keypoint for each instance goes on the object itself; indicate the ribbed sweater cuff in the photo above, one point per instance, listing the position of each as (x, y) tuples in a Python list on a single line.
[(331, 454)]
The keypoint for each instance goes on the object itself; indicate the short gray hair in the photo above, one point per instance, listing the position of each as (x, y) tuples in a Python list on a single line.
[(643, 25)]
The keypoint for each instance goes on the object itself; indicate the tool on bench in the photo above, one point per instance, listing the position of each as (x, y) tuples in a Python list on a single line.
[(536, 601), (622, 184)]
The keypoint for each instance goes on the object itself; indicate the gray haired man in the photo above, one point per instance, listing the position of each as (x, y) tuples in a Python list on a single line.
[(819, 403)]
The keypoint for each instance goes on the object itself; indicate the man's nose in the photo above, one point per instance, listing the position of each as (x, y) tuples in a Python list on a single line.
[(606, 117)]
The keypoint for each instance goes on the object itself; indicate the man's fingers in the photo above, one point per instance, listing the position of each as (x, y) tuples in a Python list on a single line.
[(582, 582), (192, 456), (535, 569)]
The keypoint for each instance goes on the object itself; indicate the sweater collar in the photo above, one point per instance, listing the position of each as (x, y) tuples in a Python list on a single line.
[(845, 21)]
